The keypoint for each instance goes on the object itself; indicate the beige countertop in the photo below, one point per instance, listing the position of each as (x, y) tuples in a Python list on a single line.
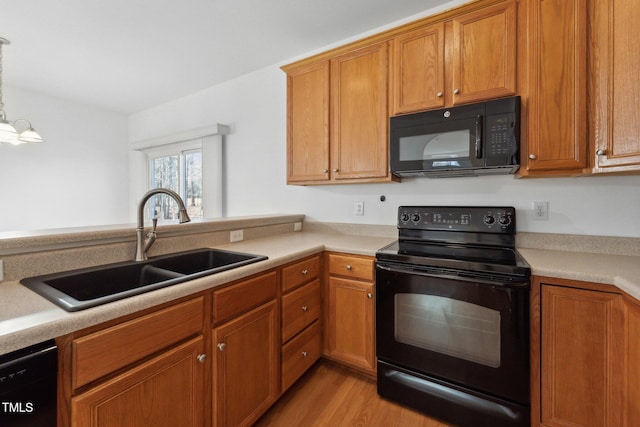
[(26, 318), (622, 271)]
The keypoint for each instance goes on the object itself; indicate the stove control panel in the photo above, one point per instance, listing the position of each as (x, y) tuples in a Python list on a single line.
[(498, 220)]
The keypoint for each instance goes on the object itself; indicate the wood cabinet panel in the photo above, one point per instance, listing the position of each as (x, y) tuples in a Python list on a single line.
[(246, 366), (106, 351), (308, 123), (556, 73), (351, 266), (231, 301), (484, 54), (582, 364), (615, 59), (164, 391), (359, 114), (351, 328), (632, 409), (417, 70), (300, 308), (299, 354), (296, 274)]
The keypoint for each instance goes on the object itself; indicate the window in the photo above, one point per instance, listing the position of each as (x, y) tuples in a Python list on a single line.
[(189, 163), (180, 171)]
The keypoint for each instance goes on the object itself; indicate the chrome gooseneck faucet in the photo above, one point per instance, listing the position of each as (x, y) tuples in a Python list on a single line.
[(142, 245)]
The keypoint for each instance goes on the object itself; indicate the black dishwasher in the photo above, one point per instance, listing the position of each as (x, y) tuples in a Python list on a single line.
[(28, 380)]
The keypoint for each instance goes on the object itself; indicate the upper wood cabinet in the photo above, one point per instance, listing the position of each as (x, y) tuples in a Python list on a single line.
[(359, 146), (417, 70), (308, 123), (615, 100), (553, 74), (469, 58), (337, 119)]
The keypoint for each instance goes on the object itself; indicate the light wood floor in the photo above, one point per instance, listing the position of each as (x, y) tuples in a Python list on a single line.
[(334, 396)]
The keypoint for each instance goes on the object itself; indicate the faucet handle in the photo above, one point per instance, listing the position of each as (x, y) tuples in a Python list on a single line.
[(153, 227)]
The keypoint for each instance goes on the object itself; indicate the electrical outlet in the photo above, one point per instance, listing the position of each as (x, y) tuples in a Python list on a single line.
[(1, 270), (297, 226), (359, 208), (541, 211), (236, 236)]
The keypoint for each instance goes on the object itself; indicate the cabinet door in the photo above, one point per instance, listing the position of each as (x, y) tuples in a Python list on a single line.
[(583, 369), (165, 391), (633, 359), (484, 54), (556, 140), (351, 330), (417, 70), (246, 367), (308, 123), (615, 61), (359, 114)]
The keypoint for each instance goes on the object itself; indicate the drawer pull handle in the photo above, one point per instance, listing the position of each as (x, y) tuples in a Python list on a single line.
[(349, 268), (201, 358), (221, 346), (304, 354), (369, 295), (305, 272), (305, 308)]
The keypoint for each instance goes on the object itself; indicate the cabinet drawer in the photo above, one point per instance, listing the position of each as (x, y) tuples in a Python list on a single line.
[(351, 266), (108, 350), (300, 272), (299, 354), (300, 308), (236, 299)]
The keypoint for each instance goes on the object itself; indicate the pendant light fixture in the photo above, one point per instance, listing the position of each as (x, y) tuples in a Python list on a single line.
[(8, 130)]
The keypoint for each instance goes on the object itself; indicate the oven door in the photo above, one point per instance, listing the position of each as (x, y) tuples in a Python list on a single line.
[(467, 331)]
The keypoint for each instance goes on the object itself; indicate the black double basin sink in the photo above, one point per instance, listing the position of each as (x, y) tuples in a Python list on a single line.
[(88, 287)]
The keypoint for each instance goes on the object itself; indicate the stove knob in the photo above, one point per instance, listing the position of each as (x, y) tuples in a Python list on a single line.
[(404, 217), (505, 220), (489, 219), (415, 217)]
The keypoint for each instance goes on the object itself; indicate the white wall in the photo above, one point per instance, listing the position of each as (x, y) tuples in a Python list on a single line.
[(77, 177), (255, 107)]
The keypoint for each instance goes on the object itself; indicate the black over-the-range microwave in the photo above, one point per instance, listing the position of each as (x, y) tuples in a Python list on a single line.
[(467, 140)]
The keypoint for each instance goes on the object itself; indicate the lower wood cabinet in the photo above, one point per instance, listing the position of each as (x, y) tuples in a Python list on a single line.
[(350, 312), (588, 359), (245, 350), (164, 391)]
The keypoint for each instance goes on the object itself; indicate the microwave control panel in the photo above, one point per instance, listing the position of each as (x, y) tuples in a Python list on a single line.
[(500, 138)]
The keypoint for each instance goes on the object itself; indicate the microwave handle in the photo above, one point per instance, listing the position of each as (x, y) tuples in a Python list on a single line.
[(478, 137)]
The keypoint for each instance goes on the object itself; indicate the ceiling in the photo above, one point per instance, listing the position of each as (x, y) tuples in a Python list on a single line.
[(129, 55)]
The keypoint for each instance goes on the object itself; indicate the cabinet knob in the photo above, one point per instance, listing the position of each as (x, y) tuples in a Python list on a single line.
[(336, 170), (349, 268), (601, 151), (304, 354), (201, 358), (221, 346), (305, 308), (369, 295), (305, 272), (439, 94), (325, 170), (532, 156), (456, 91)]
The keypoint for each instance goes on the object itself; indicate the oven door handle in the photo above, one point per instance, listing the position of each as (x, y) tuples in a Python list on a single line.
[(478, 280)]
